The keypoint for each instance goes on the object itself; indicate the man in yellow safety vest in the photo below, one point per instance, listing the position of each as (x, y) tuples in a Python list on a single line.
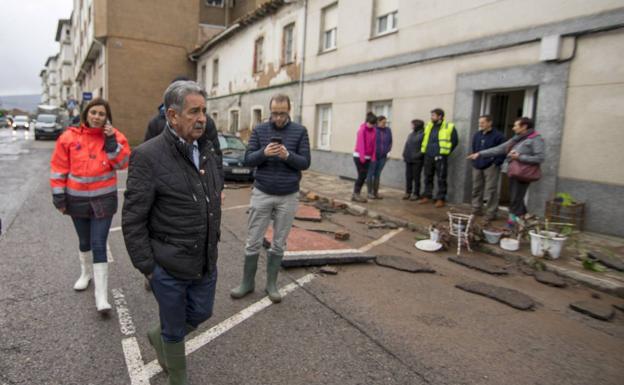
[(439, 140)]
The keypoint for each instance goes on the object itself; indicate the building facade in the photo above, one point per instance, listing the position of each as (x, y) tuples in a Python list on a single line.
[(559, 65), (45, 92), (65, 62), (257, 56), (52, 78), (128, 53)]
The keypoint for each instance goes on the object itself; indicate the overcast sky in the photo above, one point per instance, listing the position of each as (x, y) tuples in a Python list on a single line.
[(27, 32)]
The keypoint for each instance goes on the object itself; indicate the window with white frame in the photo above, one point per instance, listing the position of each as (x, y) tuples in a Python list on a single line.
[(288, 44), (234, 120), (382, 108), (256, 116), (329, 28), (258, 55), (215, 72), (323, 127), (386, 16)]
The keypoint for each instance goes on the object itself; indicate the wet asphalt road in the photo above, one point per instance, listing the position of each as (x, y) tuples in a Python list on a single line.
[(367, 325)]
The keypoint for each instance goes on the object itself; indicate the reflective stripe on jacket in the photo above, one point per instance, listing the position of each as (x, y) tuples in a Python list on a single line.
[(444, 137)]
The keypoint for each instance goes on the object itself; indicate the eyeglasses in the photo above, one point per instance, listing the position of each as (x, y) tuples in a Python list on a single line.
[(279, 114)]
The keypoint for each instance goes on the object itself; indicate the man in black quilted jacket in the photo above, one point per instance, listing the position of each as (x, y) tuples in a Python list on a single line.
[(280, 150), (171, 219)]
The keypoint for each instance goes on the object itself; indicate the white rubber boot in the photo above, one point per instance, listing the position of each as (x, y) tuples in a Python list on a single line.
[(86, 270), (100, 279)]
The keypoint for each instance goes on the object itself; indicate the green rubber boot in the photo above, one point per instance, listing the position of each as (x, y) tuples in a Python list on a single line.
[(249, 276), (273, 265), (153, 336), (176, 362)]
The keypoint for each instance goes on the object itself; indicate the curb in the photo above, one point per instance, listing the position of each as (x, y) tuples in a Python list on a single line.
[(596, 283)]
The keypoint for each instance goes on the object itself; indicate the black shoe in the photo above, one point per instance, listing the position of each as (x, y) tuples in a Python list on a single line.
[(406, 196)]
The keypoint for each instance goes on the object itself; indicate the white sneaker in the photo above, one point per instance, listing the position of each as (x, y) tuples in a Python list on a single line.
[(100, 279), (86, 270)]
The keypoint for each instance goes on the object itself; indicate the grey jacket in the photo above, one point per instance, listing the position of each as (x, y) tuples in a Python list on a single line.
[(531, 149)]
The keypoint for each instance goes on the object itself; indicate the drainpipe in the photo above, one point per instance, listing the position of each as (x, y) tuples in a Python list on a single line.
[(299, 116), (226, 5)]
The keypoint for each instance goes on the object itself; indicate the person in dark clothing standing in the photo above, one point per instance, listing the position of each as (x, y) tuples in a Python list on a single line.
[(280, 150), (171, 223), (486, 170), (383, 146), (413, 158), (439, 141), (157, 124)]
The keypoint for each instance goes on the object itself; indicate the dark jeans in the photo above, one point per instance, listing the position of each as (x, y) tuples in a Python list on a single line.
[(517, 191), (412, 177), (375, 169), (362, 171), (92, 236), (182, 302), (438, 167)]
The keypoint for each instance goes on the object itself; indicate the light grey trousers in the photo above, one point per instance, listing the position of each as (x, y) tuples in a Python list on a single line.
[(485, 186), (264, 207)]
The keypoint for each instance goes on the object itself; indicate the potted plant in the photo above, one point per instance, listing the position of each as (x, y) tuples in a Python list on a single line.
[(492, 234), (545, 242)]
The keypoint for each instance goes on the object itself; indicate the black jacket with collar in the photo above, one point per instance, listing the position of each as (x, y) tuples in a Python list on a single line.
[(172, 211)]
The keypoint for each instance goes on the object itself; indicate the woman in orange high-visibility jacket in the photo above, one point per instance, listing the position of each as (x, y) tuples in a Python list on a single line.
[(83, 177)]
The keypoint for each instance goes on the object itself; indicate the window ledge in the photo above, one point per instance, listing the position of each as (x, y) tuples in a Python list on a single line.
[(328, 50), (384, 34)]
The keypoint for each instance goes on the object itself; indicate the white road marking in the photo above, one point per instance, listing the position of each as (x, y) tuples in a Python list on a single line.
[(234, 207), (134, 362), (123, 314), (109, 254), (130, 345), (152, 368), (385, 238), (115, 229)]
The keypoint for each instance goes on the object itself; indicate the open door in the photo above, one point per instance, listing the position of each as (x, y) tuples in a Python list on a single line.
[(505, 106)]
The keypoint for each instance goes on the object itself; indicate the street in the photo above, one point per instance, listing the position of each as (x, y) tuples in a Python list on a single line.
[(366, 325)]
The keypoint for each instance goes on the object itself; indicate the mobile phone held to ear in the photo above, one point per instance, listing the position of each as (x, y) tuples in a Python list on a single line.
[(276, 139)]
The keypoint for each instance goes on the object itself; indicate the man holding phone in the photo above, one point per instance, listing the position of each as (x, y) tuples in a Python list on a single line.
[(280, 150)]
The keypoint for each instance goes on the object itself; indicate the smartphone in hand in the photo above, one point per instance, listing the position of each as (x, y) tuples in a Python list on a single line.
[(276, 139)]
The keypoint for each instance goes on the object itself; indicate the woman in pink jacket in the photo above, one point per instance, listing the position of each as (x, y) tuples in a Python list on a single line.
[(364, 154)]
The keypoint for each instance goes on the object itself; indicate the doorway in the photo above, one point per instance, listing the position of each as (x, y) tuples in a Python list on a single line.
[(505, 106)]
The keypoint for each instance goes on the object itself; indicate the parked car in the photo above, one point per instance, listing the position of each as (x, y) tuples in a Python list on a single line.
[(4, 122), (21, 121), (48, 126), (233, 150)]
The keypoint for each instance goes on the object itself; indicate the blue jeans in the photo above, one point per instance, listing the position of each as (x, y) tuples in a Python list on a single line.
[(182, 302), (374, 172), (92, 236)]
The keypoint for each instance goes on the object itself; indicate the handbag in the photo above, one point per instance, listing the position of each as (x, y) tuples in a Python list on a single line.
[(524, 172)]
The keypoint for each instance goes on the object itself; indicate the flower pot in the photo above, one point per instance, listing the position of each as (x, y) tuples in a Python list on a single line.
[(492, 236), (546, 242), (510, 244)]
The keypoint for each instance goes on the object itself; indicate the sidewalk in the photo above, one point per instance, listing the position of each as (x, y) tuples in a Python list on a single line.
[(419, 217)]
